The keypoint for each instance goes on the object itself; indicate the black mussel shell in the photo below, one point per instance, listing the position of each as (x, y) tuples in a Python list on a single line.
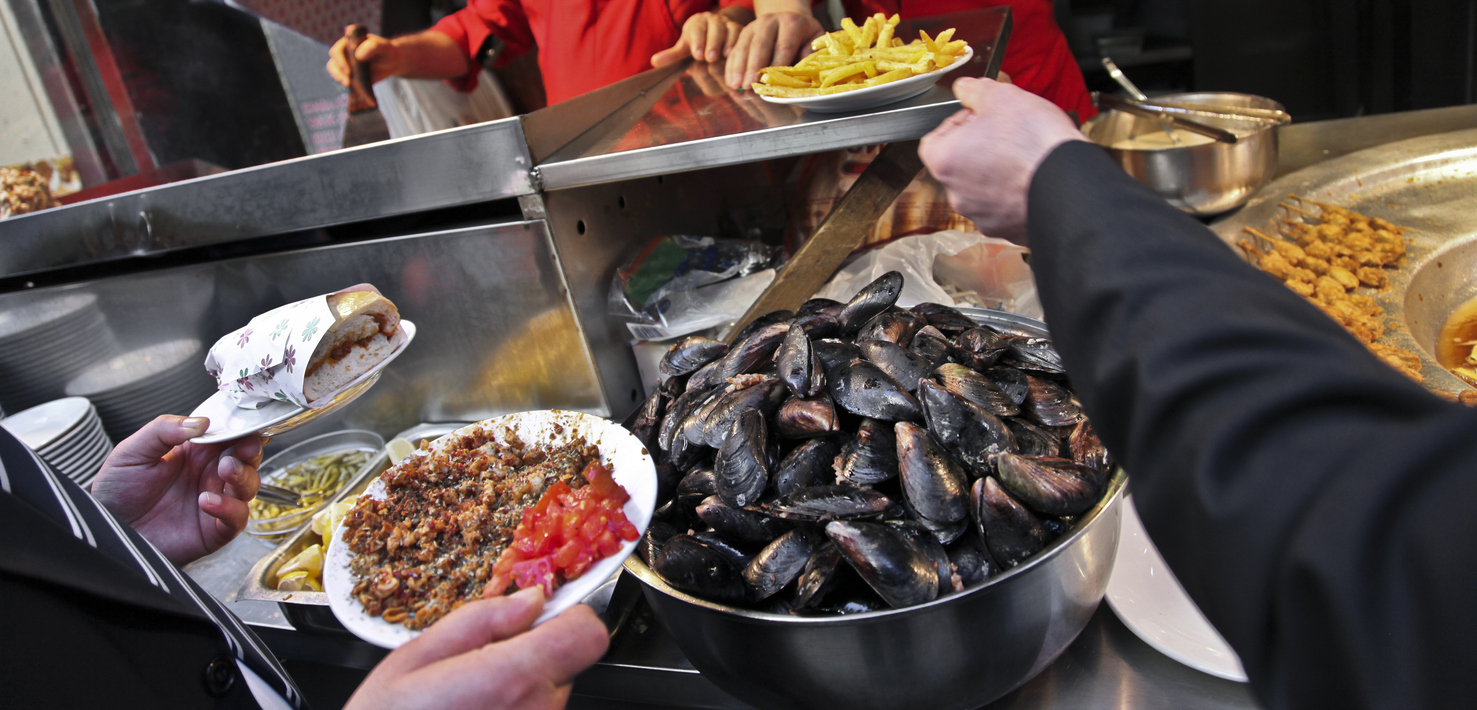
[(872, 299), (1010, 531), (971, 386), (924, 539), (966, 430), (695, 567), (691, 426), (780, 562), (870, 457), (1035, 354), (818, 325), (945, 318), (794, 361), (741, 469), (978, 348), (749, 354), (737, 555), (931, 345), (764, 398), (684, 454), (1032, 440), (764, 321), (818, 578), (1048, 485), (865, 390), (1011, 381), (669, 512), (834, 352), (667, 478), (816, 305), (971, 565), (699, 483), (818, 503), (690, 354), (800, 418), (897, 328), (1051, 405), (707, 377), (1087, 449), (901, 365), (809, 464), (890, 563), (744, 525), (934, 485), (676, 413), (946, 533), (657, 534)]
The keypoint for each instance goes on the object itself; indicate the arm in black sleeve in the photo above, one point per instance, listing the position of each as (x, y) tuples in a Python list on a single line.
[(1317, 505)]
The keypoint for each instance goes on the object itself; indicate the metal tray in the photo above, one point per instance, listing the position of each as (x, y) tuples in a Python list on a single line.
[(258, 585), (1429, 186)]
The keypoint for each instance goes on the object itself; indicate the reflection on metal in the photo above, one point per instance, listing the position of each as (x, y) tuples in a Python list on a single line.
[(1425, 184), (690, 120), (476, 163), (319, 104), (54, 79), (552, 128), (107, 98), (496, 331)]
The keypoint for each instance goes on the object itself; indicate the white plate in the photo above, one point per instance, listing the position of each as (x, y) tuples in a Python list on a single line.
[(229, 422), (873, 96), (629, 463), (1151, 602), (44, 424)]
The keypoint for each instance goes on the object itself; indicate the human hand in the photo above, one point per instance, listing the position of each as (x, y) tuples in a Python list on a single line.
[(483, 655), (188, 499), (774, 39), (382, 55), (706, 36), (987, 154)]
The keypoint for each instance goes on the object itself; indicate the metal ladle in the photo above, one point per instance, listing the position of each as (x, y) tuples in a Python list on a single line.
[(1133, 91)]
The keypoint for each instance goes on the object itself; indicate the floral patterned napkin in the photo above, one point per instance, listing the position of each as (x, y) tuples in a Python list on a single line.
[(267, 359)]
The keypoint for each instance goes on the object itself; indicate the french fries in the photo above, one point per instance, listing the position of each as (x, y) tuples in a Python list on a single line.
[(855, 57)]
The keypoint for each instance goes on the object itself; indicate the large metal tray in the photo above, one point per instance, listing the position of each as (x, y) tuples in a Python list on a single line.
[(1429, 186)]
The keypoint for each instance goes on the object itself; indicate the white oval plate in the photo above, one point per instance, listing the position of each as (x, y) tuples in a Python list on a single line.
[(229, 422), (873, 96), (1151, 603), (629, 462)]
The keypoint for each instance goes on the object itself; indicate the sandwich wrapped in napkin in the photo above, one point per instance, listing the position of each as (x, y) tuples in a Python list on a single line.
[(302, 351)]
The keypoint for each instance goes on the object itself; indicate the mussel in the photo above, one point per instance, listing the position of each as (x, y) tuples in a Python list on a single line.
[(798, 367), (780, 562), (901, 365), (870, 457), (893, 327), (872, 299), (818, 578), (978, 348), (800, 418), (945, 318), (809, 464), (690, 354), (971, 386), (818, 503), (741, 470), (934, 486), (1051, 405), (1048, 485), (861, 388), (1087, 449), (891, 564), (1010, 531), (740, 524), (967, 431), (696, 568), (931, 345)]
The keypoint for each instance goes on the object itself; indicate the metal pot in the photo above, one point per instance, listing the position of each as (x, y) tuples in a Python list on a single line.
[(1201, 179), (958, 651)]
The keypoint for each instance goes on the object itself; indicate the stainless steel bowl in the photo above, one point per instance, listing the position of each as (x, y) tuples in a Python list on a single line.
[(1202, 179), (959, 651)]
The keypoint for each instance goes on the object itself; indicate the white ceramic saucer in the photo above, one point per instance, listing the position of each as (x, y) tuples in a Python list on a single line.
[(1151, 603), (229, 422)]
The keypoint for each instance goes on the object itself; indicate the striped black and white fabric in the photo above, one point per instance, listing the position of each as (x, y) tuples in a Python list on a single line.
[(91, 614)]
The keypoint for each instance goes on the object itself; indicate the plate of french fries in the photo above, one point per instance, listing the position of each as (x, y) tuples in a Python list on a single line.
[(858, 67)]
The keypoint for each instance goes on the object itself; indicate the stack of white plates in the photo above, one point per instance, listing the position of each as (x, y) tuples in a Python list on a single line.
[(44, 345), (66, 433), (133, 388)]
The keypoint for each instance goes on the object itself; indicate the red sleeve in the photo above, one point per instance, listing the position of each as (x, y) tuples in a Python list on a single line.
[(1038, 59), (737, 3), (470, 27)]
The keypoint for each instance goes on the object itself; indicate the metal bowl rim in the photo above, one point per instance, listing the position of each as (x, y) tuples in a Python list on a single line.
[(1102, 116)]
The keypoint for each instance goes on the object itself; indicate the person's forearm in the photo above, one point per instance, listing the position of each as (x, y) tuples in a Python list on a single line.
[(738, 13), (769, 7), (431, 55), (1312, 501)]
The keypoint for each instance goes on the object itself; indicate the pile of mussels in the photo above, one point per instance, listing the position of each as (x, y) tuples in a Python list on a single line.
[(925, 451)]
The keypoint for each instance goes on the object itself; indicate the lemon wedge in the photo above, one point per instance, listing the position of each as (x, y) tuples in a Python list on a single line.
[(398, 449)]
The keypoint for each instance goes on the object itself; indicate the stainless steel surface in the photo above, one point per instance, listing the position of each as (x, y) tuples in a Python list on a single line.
[(474, 163), (1200, 179), (1256, 114), (1427, 184), (959, 651), (690, 120), (496, 330), (1305, 144), (1133, 91), (108, 105), (1167, 120), (44, 55)]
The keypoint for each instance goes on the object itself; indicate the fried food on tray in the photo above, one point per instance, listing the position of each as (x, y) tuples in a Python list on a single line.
[(449, 514), (1342, 251), (858, 57), (23, 191)]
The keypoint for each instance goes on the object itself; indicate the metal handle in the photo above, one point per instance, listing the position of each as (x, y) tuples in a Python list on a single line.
[(361, 79), (1122, 80), (1117, 104)]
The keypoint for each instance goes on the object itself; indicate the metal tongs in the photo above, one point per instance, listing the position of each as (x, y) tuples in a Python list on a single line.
[(277, 494), (1164, 117)]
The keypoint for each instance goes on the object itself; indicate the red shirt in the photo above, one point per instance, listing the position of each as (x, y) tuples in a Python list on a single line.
[(1037, 57), (582, 45)]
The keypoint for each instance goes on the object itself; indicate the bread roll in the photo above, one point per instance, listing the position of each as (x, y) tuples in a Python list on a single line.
[(361, 336)]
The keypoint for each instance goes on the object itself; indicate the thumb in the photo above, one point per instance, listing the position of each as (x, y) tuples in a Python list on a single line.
[(159, 437), (974, 93), (670, 55), (471, 627)]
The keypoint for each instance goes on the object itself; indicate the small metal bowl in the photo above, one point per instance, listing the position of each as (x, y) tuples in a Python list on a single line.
[(275, 529), (1204, 179)]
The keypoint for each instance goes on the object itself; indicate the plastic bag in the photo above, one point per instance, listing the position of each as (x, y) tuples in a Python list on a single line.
[(949, 267), (681, 284)]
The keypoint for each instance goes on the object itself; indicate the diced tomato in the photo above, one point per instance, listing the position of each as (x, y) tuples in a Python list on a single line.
[(535, 573), (625, 529), (607, 544), (581, 564)]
